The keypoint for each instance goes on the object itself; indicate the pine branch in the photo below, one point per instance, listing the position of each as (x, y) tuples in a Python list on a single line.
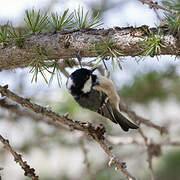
[(66, 44)]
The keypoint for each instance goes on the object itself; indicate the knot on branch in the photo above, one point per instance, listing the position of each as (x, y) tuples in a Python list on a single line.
[(29, 172), (118, 165), (100, 131), (17, 157), (95, 132)]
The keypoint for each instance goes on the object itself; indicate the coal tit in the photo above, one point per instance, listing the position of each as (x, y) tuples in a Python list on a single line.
[(97, 93)]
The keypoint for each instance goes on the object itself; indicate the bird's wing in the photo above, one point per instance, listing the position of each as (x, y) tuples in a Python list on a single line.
[(99, 102), (106, 110), (109, 111)]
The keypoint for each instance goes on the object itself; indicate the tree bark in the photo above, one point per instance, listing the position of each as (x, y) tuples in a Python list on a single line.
[(66, 44)]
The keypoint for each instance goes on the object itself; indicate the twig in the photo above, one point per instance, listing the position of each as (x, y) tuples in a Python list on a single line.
[(157, 15), (149, 152), (71, 63), (140, 119), (114, 160), (132, 141), (97, 133), (86, 160), (170, 143), (66, 63), (18, 111), (123, 141), (28, 171), (155, 5)]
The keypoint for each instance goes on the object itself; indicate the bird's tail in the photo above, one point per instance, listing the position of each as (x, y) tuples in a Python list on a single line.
[(115, 116), (123, 121)]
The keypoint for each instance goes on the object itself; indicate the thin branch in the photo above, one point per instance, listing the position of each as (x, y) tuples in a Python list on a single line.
[(23, 113), (73, 63), (139, 119), (157, 15), (86, 160), (133, 141), (114, 160), (28, 171), (124, 141), (155, 5), (97, 133), (149, 152), (170, 143)]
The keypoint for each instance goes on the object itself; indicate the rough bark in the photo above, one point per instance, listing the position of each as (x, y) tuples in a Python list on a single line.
[(66, 44), (97, 133)]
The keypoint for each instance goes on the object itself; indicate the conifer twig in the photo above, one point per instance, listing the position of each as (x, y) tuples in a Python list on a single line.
[(28, 171)]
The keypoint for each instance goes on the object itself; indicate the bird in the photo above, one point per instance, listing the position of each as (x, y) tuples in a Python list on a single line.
[(97, 93)]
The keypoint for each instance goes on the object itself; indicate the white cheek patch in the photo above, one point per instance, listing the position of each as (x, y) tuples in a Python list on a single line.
[(87, 85), (69, 83)]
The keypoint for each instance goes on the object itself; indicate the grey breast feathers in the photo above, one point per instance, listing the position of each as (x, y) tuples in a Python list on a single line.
[(92, 100)]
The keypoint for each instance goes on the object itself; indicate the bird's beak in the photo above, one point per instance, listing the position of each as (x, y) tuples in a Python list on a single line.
[(92, 70)]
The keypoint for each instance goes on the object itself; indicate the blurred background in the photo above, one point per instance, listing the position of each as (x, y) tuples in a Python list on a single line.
[(151, 87)]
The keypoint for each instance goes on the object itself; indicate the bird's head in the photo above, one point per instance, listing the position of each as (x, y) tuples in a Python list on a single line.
[(81, 81)]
